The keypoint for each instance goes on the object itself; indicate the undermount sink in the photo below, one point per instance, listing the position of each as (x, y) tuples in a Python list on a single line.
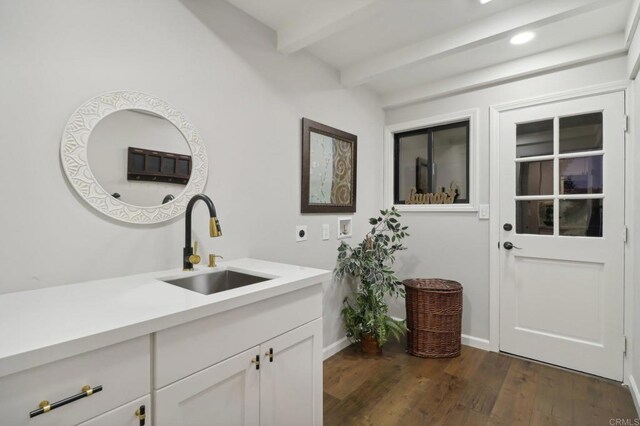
[(215, 282)]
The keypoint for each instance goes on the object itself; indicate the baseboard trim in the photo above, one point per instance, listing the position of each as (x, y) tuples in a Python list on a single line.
[(476, 342), (335, 347), (635, 394)]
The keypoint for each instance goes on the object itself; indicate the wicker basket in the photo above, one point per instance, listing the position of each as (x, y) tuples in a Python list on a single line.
[(434, 317)]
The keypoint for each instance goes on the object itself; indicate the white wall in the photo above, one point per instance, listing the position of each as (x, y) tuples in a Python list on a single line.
[(456, 245), (221, 69)]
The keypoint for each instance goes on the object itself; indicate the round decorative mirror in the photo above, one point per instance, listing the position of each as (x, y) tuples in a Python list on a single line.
[(133, 157)]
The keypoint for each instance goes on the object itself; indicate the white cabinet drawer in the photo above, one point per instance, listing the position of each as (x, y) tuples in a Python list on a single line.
[(187, 348), (123, 416), (123, 370)]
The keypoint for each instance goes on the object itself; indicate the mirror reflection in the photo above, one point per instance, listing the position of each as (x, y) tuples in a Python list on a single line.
[(139, 157)]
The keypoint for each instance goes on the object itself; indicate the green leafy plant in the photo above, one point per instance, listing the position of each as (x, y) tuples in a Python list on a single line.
[(370, 263)]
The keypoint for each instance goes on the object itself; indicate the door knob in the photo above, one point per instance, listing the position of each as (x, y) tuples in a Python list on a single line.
[(508, 245)]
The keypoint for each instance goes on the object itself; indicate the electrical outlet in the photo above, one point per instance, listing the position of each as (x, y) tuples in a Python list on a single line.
[(301, 233), (325, 231)]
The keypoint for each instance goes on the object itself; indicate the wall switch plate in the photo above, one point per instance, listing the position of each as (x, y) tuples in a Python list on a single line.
[(301, 233), (325, 231), (483, 211)]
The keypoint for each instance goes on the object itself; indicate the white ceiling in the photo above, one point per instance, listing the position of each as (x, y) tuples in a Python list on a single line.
[(411, 50)]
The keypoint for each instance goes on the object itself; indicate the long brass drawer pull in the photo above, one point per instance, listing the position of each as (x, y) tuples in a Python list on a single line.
[(45, 406)]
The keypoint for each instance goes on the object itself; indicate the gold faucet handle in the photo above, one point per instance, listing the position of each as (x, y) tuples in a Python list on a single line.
[(194, 259), (212, 260)]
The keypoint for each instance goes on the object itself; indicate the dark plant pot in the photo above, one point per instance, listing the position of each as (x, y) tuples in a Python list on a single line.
[(370, 345)]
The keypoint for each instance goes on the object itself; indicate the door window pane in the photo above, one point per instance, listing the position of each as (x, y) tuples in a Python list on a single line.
[(534, 139), (581, 133), (581, 218), (534, 217), (534, 178), (581, 175)]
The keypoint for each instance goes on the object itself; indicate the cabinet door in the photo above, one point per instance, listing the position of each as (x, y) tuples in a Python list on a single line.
[(291, 383), (123, 416), (226, 393)]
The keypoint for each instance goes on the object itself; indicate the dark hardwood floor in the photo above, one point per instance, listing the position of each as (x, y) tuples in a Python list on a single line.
[(476, 388)]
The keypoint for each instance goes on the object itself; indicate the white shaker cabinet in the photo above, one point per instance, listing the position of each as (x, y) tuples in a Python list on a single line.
[(276, 383), (205, 370), (291, 384), (224, 394), (249, 356)]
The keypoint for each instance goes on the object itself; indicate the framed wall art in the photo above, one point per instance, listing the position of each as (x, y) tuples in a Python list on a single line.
[(329, 159)]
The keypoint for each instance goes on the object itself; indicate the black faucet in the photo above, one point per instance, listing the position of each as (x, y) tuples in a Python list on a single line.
[(189, 257)]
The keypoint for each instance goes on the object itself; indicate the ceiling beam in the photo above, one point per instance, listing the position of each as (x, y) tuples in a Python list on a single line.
[(590, 50), (322, 24), (532, 14), (632, 38), (632, 22)]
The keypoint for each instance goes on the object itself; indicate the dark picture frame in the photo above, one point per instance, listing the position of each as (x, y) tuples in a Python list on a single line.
[(329, 169)]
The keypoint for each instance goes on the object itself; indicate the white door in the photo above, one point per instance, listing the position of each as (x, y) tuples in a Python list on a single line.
[(291, 378), (225, 394), (562, 233)]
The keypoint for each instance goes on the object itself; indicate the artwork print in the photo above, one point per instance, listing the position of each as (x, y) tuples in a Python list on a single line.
[(330, 172), (328, 169)]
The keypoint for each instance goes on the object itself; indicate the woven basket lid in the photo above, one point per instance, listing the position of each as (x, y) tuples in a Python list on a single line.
[(433, 284)]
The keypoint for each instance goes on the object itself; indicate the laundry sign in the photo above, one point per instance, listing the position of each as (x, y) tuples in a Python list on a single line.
[(447, 196)]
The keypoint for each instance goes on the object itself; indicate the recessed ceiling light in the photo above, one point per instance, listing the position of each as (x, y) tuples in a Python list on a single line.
[(523, 38), (484, 1)]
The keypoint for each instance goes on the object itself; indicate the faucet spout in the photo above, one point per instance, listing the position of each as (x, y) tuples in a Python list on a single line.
[(214, 227)]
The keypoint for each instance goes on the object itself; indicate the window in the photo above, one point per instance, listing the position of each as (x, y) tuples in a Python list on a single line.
[(433, 160), (430, 164)]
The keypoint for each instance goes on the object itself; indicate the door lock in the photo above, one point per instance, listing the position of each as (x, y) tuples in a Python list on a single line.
[(507, 227)]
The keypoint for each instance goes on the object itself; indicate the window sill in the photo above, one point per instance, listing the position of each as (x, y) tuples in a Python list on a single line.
[(451, 208)]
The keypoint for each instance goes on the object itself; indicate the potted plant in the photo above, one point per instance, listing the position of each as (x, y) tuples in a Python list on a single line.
[(369, 263)]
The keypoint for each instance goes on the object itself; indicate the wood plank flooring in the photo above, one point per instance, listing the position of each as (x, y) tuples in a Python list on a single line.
[(476, 388)]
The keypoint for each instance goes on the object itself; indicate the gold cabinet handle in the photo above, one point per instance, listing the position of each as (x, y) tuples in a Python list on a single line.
[(141, 414), (256, 361), (45, 406), (269, 354)]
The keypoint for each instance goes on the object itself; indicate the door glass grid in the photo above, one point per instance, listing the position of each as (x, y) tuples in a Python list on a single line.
[(559, 176)]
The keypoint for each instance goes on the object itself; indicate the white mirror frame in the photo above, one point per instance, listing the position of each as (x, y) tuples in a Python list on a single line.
[(74, 156)]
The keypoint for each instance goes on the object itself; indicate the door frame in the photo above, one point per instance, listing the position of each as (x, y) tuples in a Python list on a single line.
[(494, 204)]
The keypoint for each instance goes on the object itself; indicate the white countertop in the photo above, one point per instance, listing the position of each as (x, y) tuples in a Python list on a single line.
[(41, 326)]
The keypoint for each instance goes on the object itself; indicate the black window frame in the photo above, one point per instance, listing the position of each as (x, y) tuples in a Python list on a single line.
[(429, 132)]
